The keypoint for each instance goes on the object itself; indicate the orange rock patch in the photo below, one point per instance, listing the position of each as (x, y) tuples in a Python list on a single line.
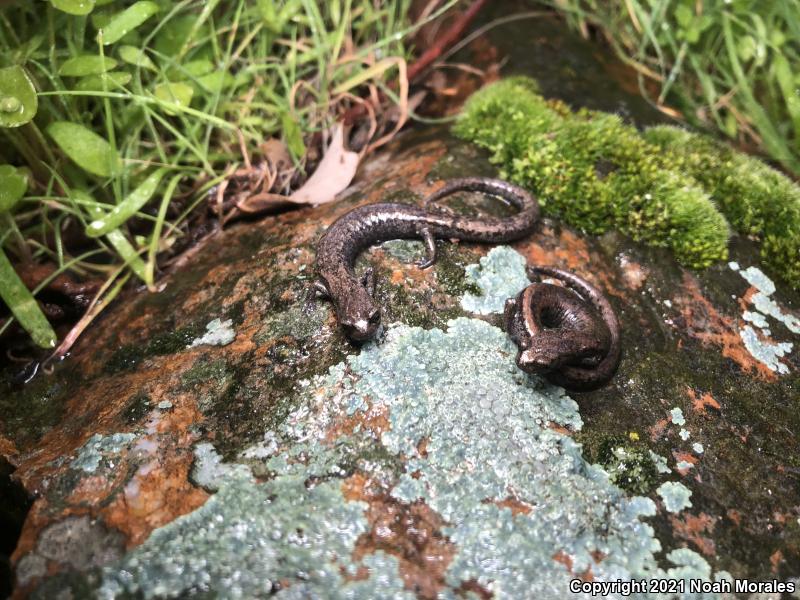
[(7, 448), (411, 532), (515, 505), (691, 528), (149, 485), (705, 323), (374, 420), (569, 251), (700, 402), (684, 456), (657, 430)]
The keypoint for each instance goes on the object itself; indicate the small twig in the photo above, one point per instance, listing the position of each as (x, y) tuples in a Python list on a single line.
[(243, 148), (462, 67), (428, 10), (100, 301), (443, 41), (424, 61)]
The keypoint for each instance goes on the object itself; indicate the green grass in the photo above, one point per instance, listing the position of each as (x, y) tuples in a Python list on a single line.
[(106, 149), (593, 171), (725, 65)]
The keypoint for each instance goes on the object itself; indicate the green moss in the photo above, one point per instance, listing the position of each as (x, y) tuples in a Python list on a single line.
[(410, 307), (592, 170), (451, 272), (204, 371), (136, 408), (29, 411), (629, 465), (757, 200), (127, 357)]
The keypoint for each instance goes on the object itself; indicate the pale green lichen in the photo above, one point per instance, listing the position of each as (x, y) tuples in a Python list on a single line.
[(500, 275), (676, 415), (757, 319), (100, 447), (300, 320), (660, 462), (75, 542), (684, 434), (488, 438), (675, 496), (244, 540), (405, 250), (218, 333), (698, 448), (767, 306), (263, 449), (756, 277), (766, 352), (209, 471)]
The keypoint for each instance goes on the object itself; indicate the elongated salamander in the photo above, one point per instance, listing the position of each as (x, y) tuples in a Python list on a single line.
[(352, 233)]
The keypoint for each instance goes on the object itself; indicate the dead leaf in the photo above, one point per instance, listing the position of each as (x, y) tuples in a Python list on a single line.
[(334, 173), (276, 152), (258, 203)]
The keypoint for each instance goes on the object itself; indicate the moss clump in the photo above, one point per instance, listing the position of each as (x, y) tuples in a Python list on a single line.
[(127, 357), (204, 371), (592, 170), (136, 408), (757, 200), (451, 274), (629, 465)]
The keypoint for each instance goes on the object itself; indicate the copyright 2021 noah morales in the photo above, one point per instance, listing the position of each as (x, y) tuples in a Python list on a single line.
[(680, 586)]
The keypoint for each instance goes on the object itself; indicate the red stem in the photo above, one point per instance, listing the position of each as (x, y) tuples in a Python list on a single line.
[(428, 57), (450, 36)]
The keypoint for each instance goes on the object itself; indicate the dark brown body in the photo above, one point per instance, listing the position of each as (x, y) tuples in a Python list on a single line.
[(570, 335), (367, 225)]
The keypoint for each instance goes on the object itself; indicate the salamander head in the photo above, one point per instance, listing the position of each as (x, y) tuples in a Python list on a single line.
[(555, 328), (542, 355), (359, 317)]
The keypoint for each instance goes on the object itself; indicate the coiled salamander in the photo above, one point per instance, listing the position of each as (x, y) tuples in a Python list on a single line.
[(569, 334)]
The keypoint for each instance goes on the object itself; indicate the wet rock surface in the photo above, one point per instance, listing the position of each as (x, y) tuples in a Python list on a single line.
[(217, 438)]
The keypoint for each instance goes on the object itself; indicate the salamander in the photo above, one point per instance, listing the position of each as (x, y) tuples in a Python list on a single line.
[(568, 334), (338, 248)]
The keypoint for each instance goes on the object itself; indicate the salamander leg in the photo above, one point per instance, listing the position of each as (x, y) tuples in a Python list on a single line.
[(315, 290), (431, 206), (320, 290), (368, 279), (430, 248)]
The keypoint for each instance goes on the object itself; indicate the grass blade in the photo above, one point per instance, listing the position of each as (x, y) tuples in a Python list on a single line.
[(127, 208), (22, 304), (772, 139), (155, 237), (126, 21)]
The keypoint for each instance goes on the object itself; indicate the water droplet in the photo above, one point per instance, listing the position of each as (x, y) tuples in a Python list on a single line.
[(10, 104)]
